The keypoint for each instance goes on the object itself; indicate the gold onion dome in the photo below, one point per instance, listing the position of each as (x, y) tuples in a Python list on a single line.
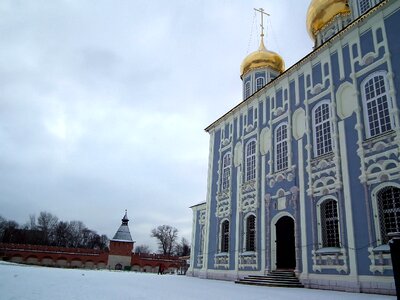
[(321, 12), (262, 58)]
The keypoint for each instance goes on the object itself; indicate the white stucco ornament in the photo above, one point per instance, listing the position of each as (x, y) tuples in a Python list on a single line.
[(237, 155), (346, 98), (299, 123), (265, 141)]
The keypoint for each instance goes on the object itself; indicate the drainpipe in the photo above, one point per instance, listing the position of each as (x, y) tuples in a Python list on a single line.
[(394, 244)]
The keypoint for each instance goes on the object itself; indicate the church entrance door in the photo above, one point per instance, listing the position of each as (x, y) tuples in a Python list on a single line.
[(285, 247)]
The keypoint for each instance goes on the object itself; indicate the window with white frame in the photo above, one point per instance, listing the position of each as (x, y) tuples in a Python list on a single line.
[(376, 104), (259, 83), (330, 223), (226, 171), (247, 89), (388, 199), (251, 233), (250, 160), (281, 147), (364, 5), (225, 236), (322, 129)]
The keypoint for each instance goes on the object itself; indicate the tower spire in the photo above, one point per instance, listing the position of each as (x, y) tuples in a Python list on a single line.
[(262, 13)]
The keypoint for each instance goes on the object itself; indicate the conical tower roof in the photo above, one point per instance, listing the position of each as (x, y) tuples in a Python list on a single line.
[(123, 234)]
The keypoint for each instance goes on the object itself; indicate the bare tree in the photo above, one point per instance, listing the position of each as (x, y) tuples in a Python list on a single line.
[(76, 229), (62, 235), (145, 249), (182, 248), (166, 236), (51, 232), (10, 231), (31, 223), (47, 223), (3, 223)]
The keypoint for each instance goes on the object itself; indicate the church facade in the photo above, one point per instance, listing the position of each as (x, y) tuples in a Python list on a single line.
[(304, 173)]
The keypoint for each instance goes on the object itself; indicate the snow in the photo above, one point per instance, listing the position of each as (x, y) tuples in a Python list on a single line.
[(19, 282)]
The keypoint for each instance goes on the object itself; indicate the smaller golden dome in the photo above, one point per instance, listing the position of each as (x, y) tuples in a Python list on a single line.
[(262, 58), (321, 12)]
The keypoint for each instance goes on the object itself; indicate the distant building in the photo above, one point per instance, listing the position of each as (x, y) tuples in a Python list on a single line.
[(119, 257), (304, 174), (121, 247)]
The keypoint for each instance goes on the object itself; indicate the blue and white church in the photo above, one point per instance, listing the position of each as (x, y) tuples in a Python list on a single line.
[(304, 173)]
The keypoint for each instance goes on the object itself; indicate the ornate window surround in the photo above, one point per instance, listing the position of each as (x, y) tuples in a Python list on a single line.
[(247, 89), (226, 171), (253, 157), (315, 124), (380, 254), (260, 82), (223, 246), (319, 221), (328, 258), (375, 209), (276, 142), (246, 232), (364, 101)]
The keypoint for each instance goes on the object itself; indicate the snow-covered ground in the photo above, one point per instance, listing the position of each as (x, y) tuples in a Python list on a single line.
[(20, 282)]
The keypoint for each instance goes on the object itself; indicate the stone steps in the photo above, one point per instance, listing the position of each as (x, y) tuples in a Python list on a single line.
[(273, 279)]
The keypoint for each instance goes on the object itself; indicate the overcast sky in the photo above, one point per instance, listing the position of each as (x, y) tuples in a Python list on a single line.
[(103, 104)]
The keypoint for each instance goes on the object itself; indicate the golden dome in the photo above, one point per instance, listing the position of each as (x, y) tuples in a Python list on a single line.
[(262, 58), (321, 12)]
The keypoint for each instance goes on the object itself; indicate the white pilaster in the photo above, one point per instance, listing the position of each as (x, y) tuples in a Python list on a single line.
[(237, 218), (347, 201), (302, 191), (262, 229), (208, 204)]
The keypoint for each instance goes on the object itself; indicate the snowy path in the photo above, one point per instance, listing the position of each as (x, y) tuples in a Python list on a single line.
[(19, 282)]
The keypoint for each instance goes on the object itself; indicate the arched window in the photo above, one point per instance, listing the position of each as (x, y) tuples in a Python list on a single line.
[(376, 105), (281, 147), (247, 89), (251, 233), (259, 83), (330, 224), (225, 236), (226, 171), (322, 129), (389, 211), (251, 160), (364, 6)]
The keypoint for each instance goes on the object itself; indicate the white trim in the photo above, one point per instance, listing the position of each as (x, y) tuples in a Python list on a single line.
[(262, 83), (347, 200), (364, 101), (375, 208), (247, 156), (328, 102), (220, 235), (286, 140), (263, 212), (208, 200), (319, 224), (302, 200), (247, 88), (226, 168), (238, 203), (244, 245)]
